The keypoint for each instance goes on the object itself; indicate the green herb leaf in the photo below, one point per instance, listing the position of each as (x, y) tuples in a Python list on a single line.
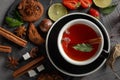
[(108, 10), (13, 22), (17, 16), (83, 47)]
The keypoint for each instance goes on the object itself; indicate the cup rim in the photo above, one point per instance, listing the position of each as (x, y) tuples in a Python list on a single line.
[(62, 52)]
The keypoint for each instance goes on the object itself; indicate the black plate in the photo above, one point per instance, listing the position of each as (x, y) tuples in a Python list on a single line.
[(58, 61), (17, 51)]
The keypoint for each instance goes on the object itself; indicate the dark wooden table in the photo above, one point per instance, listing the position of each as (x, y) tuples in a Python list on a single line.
[(112, 24)]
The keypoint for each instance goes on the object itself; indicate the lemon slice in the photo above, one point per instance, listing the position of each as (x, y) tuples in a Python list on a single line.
[(56, 11), (102, 3)]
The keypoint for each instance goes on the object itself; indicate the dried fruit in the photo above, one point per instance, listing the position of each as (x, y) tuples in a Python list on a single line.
[(34, 36), (45, 24)]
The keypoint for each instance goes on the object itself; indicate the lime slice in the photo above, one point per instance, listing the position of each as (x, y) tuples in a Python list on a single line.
[(102, 3), (56, 11)]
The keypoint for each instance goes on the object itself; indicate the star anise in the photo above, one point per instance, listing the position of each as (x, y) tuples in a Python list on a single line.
[(33, 52), (12, 62), (20, 31)]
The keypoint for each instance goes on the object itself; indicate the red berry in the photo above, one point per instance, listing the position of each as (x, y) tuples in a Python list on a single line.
[(94, 12)]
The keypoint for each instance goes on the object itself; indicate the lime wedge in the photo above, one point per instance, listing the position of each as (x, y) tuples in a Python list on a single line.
[(56, 11), (102, 3)]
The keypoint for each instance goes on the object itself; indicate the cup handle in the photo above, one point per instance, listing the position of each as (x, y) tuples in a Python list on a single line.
[(105, 54)]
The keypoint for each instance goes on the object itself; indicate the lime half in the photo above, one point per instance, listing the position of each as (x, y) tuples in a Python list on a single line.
[(102, 3), (56, 11)]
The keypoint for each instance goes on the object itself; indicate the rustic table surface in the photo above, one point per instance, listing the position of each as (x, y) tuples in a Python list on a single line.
[(112, 24)]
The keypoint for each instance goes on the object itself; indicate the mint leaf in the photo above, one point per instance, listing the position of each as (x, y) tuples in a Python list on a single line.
[(17, 16), (108, 10), (83, 47), (13, 22)]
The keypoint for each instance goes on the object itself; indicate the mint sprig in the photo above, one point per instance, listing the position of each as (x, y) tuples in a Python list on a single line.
[(83, 47), (108, 10)]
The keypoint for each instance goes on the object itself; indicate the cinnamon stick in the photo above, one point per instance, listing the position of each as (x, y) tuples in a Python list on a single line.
[(10, 36), (27, 67), (5, 49), (95, 40)]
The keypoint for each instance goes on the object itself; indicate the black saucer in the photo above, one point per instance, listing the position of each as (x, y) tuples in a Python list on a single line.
[(58, 61)]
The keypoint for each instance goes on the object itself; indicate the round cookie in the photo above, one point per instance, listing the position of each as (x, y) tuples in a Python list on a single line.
[(30, 10)]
